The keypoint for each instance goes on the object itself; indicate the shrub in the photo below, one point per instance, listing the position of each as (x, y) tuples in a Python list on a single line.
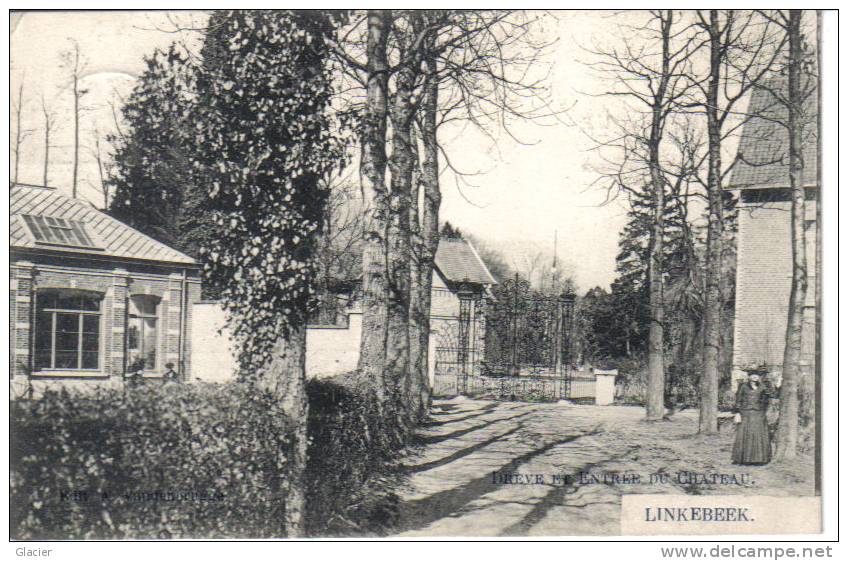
[(154, 461), (191, 461), (353, 453)]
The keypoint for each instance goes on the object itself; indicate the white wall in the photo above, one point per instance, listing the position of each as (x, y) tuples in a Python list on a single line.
[(212, 356), (333, 350), (329, 350)]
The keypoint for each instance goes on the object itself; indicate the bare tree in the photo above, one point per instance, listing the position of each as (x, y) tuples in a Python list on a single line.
[(340, 245), (102, 168), (49, 126), (794, 98), (74, 64), (465, 56), (372, 355), (20, 134), (653, 70), (742, 50)]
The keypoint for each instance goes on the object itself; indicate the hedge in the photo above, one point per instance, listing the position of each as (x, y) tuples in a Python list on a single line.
[(353, 460), (149, 462), (197, 461)]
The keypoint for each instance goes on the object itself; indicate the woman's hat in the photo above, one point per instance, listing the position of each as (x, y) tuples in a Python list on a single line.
[(756, 369)]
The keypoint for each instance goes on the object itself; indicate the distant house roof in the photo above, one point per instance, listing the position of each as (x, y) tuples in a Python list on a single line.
[(457, 261), (39, 216), (764, 146)]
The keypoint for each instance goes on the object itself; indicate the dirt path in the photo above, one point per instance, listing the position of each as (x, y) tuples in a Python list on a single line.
[(518, 469)]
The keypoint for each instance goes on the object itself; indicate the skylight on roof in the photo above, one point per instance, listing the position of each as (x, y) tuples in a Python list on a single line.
[(58, 231)]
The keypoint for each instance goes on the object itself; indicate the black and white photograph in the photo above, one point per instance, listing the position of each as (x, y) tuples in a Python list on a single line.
[(415, 274)]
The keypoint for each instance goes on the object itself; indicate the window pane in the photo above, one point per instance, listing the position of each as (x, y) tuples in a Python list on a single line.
[(76, 300), (90, 342), (46, 299), (89, 302), (90, 359), (43, 339), (66, 359), (58, 233), (67, 323), (67, 341), (42, 359), (150, 343), (134, 334), (135, 309), (143, 305), (91, 324), (82, 237), (33, 225)]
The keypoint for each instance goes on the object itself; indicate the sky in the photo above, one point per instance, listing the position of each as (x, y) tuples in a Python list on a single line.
[(521, 196)]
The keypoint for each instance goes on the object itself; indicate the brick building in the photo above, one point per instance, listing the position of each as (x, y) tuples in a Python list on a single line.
[(91, 297), (764, 248)]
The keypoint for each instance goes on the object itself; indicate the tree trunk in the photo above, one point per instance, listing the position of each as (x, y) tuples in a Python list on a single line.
[(654, 409), (787, 429), (402, 166), (285, 379), (46, 150), (432, 200), (417, 310), (372, 355), (76, 135), (654, 398), (713, 301), (18, 133), (818, 287)]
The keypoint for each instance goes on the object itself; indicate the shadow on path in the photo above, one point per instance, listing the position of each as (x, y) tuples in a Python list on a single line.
[(556, 497), (435, 439), (482, 411), (422, 512), (461, 453)]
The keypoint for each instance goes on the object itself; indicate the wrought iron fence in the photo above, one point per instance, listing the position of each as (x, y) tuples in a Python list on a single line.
[(526, 340)]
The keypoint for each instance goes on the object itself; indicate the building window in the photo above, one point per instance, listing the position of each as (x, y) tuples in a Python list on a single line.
[(142, 332), (58, 231), (67, 330)]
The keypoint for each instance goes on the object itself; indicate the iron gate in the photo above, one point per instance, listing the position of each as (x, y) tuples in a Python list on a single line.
[(529, 338), (516, 346)]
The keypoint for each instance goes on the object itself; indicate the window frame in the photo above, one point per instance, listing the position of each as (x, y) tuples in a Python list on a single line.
[(80, 315), (41, 232), (156, 315)]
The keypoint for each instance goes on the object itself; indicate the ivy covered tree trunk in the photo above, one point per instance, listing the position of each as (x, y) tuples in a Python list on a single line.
[(708, 419), (372, 355), (787, 428), (264, 145)]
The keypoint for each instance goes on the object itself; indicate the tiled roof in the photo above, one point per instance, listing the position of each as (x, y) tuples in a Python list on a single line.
[(458, 262), (115, 238), (764, 146)]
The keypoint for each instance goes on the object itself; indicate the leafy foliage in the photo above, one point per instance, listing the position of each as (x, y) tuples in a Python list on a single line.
[(176, 461), (194, 461), (450, 232), (353, 458), (152, 175), (614, 323), (265, 138)]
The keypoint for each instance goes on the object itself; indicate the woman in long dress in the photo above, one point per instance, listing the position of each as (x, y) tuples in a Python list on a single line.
[(753, 445)]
